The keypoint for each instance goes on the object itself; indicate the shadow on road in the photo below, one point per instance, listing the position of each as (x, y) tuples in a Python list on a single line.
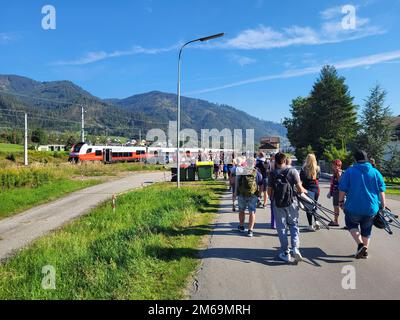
[(312, 256)]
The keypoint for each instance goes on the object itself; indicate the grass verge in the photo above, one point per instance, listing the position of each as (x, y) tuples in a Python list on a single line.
[(393, 191), (19, 199), (24, 187), (147, 249)]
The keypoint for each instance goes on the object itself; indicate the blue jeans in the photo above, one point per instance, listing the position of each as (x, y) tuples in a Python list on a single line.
[(357, 222), (288, 216)]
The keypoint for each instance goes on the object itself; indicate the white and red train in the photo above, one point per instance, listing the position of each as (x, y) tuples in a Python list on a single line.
[(82, 152)]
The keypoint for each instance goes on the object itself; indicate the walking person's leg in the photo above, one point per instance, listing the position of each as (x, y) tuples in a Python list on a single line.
[(273, 223), (293, 223), (281, 216), (336, 209), (353, 223), (252, 204), (242, 215), (310, 219), (366, 231)]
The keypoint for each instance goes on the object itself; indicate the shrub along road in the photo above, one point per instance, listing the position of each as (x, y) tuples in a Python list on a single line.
[(237, 267), (18, 231)]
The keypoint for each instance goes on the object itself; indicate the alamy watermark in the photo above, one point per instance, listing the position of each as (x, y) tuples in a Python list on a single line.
[(349, 21), (49, 278), (349, 280), (49, 20)]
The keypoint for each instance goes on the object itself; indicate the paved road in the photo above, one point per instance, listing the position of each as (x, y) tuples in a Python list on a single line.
[(18, 231), (237, 267)]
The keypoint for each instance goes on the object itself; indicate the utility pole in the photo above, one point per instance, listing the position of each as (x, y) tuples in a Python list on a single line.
[(26, 140), (83, 125), (140, 135)]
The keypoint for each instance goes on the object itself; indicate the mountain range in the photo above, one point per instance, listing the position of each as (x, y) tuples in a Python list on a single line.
[(56, 105)]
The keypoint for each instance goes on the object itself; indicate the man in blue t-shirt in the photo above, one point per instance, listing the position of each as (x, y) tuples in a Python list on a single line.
[(364, 189)]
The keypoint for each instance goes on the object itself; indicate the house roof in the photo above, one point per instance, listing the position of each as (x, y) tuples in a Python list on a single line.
[(267, 146)]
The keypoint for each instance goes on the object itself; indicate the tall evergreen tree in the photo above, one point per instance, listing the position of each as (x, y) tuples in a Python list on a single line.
[(376, 125), (327, 118), (333, 113)]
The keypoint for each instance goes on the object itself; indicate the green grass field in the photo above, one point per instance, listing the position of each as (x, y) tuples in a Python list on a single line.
[(9, 148), (22, 188), (147, 249), (19, 199)]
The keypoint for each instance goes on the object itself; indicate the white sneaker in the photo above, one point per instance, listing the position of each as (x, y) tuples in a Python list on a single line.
[(285, 256), (310, 228), (317, 225), (297, 255)]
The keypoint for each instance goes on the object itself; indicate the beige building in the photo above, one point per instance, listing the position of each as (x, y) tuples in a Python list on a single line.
[(270, 145)]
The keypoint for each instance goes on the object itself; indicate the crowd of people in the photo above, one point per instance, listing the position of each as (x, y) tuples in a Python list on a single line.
[(255, 182)]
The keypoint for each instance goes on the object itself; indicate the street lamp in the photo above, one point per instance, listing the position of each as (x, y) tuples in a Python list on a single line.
[(178, 130)]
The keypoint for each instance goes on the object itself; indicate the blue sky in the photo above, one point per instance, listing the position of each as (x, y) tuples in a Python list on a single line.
[(271, 53)]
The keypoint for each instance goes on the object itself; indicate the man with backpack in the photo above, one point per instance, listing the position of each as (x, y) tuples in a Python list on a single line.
[(281, 187), (248, 182)]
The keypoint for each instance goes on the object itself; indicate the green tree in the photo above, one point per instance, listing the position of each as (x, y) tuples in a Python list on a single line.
[(333, 114), (326, 118), (376, 125), (299, 127), (39, 136), (332, 153)]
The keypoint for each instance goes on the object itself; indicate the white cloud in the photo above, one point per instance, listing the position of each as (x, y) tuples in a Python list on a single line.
[(365, 61), (330, 31), (7, 37), (95, 56), (331, 13), (241, 60)]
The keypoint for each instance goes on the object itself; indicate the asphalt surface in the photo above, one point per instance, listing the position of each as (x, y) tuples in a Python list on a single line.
[(18, 231), (237, 267)]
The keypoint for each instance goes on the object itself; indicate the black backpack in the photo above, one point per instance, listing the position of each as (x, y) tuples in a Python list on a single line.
[(283, 190), (262, 167)]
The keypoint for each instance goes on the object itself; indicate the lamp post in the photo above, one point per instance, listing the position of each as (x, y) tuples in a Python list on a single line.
[(178, 129)]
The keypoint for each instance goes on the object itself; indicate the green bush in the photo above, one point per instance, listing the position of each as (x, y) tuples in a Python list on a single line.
[(20, 177), (332, 153)]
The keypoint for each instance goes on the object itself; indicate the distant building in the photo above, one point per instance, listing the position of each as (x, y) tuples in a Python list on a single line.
[(270, 145), (394, 144), (53, 147)]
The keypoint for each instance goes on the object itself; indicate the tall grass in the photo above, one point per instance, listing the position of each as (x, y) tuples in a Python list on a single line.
[(147, 249), (22, 177)]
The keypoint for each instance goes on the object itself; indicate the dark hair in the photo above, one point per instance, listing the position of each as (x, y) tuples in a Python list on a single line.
[(280, 158), (360, 155)]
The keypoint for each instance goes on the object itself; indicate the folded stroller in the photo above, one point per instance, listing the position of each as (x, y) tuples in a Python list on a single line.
[(321, 214)]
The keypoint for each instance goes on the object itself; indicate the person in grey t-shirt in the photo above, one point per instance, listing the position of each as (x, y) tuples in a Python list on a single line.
[(286, 216)]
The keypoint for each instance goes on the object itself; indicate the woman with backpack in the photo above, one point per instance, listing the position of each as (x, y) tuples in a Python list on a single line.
[(309, 176)]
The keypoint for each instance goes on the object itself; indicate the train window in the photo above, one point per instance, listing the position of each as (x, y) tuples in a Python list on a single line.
[(98, 153), (78, 147), (138, 153), (89, 150), (114, 154)]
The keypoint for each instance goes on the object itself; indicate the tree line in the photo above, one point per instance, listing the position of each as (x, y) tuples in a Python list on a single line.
[(329, 124)]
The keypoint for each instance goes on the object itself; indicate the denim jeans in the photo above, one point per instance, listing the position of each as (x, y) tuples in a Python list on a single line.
[(288, 216)]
